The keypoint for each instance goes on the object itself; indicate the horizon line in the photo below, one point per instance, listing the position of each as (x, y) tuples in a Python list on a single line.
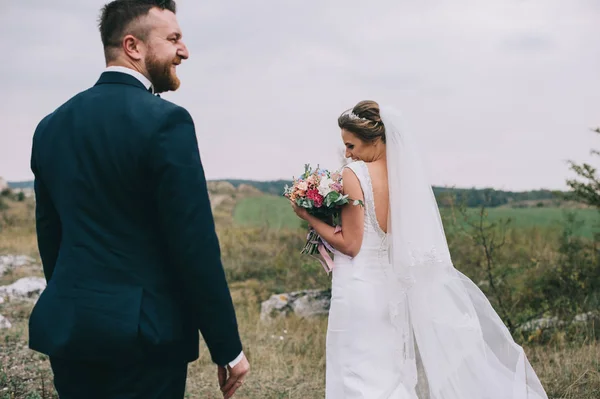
[(433, 185)]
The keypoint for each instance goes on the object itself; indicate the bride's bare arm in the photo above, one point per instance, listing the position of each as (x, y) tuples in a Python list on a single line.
[(349, 240)]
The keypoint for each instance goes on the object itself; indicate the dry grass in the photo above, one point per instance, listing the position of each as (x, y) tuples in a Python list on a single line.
[(17, 230), (570, 372), (287, 356)]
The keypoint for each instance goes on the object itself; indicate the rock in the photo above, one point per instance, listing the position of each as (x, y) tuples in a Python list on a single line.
[(541, 323), (12, 261), (4, 323), (586, 317), (28, 288), (305, 304), (546, 323)]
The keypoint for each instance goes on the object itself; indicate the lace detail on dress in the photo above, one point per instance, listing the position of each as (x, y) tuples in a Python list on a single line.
[(424, 257)]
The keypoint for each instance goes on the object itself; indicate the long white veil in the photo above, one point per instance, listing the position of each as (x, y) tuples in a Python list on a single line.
[(445, 323)]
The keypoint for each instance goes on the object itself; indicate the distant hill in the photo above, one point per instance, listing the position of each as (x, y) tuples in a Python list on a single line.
[(492, 198), (267, 187), (472, 197), (274, 187), (20, 184)]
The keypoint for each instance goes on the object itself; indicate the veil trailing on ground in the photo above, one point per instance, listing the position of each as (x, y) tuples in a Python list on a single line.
[(451, 342)]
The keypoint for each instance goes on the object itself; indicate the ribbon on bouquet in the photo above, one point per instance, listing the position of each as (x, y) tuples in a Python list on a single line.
[(323, 256)]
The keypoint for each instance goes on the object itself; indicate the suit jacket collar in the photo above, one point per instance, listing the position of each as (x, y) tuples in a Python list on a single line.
[(113, 77)]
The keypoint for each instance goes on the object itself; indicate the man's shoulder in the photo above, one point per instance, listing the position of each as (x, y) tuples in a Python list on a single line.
[(149, 110), (165, 105), (167, 111), (46, 119)]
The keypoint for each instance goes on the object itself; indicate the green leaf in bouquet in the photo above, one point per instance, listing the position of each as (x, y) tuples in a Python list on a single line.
[(332, 198), (305, 203), (337, 219), (307, 171), (358, 202), (342, 200)]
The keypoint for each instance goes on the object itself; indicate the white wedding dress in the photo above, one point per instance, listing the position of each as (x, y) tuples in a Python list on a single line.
[(362, 360), (403, 322)]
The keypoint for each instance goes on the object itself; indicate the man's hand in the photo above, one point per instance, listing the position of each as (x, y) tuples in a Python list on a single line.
[(236, 377)]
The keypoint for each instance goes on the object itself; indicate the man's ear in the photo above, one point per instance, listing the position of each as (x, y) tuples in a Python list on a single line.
[(132, 47)]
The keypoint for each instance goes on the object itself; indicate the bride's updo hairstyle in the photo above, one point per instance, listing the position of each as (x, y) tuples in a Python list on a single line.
[(363, 121)]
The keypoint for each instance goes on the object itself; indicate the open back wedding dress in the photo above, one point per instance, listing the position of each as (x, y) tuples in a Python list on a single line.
[(404, 323)]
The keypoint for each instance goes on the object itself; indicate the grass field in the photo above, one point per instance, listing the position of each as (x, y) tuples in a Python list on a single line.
[(275, 212), (287, 355), (265, 211)]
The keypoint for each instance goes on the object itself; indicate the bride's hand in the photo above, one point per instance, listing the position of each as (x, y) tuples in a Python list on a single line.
[(301, 212)]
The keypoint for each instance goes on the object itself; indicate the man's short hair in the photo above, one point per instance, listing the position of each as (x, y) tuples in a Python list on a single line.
[(117, 19)]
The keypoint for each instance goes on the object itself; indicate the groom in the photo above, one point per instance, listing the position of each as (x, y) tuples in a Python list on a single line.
[(125, 229)]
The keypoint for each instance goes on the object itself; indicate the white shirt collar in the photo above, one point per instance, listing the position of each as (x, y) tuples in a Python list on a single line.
[(133, 73)]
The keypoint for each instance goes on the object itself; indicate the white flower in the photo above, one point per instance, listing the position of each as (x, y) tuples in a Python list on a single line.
[(325, 186), (302, 186)]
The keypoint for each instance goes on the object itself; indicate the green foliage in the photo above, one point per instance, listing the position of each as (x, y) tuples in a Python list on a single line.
[(266, 211), (473, 197), (275, 211), (551, 218), (488, 196), (8, 193), (489, 237), (28, 184), (271, 257), (268, 187), (529, 273), (587, 191), (571, 284), (530, 263)]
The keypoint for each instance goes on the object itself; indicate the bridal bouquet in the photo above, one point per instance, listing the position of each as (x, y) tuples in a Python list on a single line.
[(319, 191)]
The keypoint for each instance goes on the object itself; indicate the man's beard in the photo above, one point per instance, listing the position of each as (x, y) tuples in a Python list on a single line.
[(161, 74)]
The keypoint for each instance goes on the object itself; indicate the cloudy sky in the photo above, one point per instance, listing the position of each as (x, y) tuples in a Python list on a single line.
[(500, 93)]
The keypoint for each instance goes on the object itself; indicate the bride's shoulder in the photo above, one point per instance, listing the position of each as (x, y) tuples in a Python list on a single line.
[(354, 165), (356, 168), (352, 171), (351, 181)]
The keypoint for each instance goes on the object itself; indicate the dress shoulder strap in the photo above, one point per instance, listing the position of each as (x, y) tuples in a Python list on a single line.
[(361, 171)]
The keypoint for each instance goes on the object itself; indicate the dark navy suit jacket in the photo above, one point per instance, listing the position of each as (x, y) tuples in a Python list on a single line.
[(125, 232)]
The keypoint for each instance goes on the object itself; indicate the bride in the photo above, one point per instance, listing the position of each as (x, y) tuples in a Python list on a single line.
[(404, 323)]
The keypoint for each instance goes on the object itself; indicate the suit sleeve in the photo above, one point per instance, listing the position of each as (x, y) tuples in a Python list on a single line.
[(47, 221), (187, 220)]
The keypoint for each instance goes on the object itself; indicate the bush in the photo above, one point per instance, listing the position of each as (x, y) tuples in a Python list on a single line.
[(530, 273), (270, 256)]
